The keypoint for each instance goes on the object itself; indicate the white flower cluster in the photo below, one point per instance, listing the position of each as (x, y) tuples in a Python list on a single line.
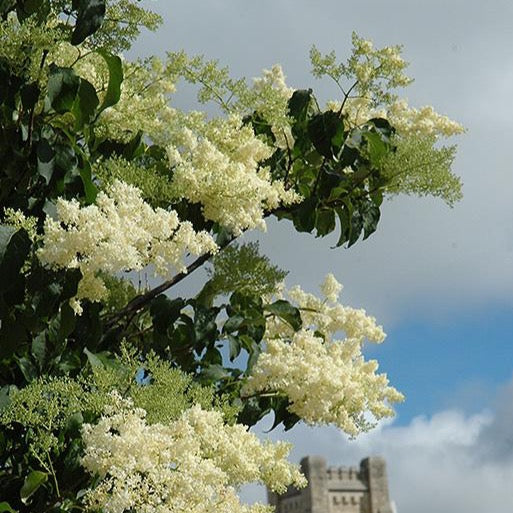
[(405, 119), (270, 96), (216, 164), (327, 381), (19, 220), (369, 65), (424, 121), (144, 103), (121, 232), (194, 464)]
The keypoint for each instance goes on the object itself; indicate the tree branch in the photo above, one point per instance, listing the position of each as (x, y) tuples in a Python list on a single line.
[(139, 302)]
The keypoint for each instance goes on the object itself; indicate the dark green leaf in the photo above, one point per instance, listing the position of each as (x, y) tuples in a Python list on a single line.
[(299, 103), (63, 86), (304, 215), (284, 310), (5, 508), (29, 95), (90, 189), (35, 8), (14, 247), (344, 214), (214, 373), (39, 348), (213, 356), (323, 130), (32, 482), (325, 222), (113, 92), (383, 126), (371, 215), (235, 347), (255, 408), (253, 350), (45, 160), (290, 420), (356, 228), (90, 14), (165, 312), (27, 369), (85, 104), (205, 325), (233, 323)]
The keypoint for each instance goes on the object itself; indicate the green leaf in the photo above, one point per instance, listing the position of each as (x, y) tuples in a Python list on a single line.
[(213, 356), (32, 482), (299, 103), (371, 215), (233, 323), (325, 222), (27, 368), (63, 86), (325, 128), (39, 348), (376, 148), (5, 508), (29, 95), (356, 228), (35, 8), (94, 360), (113, 92), (344, 214), (4, 396), (214, 373), (90, 14), (287, 312), (85, 104), (45, 160), (205, 326), (165, 312), (304, 215), (14, 247), (234, 346), (90, 189)]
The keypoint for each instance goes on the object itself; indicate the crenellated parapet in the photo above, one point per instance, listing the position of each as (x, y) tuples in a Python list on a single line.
[(362, 489)]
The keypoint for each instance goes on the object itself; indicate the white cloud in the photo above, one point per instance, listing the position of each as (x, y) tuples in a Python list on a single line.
[(451, 462)]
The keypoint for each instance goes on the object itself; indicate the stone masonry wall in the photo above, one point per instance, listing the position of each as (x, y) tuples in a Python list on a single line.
[(337, 489)]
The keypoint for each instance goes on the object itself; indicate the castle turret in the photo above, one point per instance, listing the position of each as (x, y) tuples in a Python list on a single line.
[(337, 489), (316, 494), (374, 470)]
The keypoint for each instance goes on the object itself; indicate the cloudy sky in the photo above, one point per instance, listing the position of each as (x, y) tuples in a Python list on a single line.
[(440, 280)]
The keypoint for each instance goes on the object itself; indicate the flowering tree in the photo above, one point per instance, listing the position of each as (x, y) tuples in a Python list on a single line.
[(118, 398)]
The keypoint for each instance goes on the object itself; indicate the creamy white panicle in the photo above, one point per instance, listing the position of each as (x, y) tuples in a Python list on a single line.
[(121, 232), (424, 121), (270, 96), (405, 119), (327, 381), (216, 164), (194, 464)]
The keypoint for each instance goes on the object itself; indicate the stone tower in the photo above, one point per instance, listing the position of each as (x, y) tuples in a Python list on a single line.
[(337, 489)]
